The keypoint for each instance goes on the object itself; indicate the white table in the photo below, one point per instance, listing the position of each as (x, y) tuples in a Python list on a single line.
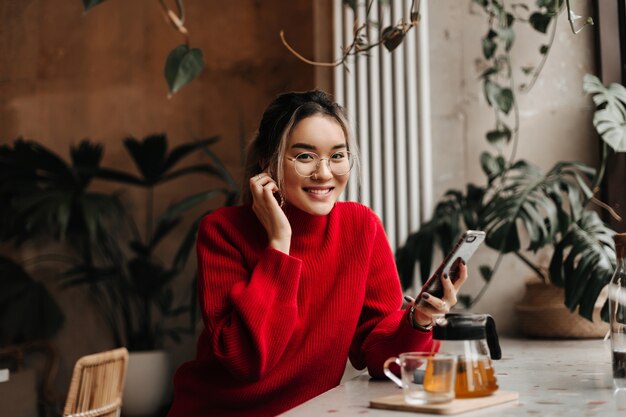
[(553, 378)]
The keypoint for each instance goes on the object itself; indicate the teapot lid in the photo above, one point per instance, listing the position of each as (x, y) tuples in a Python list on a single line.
[(468, 327), (454, 326)]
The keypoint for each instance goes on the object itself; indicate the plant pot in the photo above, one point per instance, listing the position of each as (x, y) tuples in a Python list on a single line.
[(148, 379), (542, 314)]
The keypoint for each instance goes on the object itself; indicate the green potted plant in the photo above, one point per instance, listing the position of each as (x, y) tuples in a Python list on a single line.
[(119, 267), (551, 209)]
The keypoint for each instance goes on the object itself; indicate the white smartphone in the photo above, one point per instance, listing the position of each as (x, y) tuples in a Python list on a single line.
[(464, 249)]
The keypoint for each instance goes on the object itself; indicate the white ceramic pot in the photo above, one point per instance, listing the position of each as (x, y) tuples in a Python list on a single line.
[(148, 381)]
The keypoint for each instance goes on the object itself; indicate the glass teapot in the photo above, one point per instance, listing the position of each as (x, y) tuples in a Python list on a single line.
[(473, 338)]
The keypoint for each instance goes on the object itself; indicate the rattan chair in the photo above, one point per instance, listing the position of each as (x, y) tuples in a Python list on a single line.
[(97, 385)]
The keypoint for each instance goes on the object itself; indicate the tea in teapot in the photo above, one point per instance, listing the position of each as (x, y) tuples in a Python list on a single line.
[(473, 339)]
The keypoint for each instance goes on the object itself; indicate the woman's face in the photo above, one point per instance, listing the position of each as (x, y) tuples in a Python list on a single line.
[(316, 194)]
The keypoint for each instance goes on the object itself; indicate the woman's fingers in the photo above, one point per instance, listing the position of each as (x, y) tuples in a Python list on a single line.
[(263, 188), (462, 272), (437, 305), (449, 291)]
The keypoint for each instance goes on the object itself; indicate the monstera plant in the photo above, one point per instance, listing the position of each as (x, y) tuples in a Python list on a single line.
[(550, 209), (106, 254)]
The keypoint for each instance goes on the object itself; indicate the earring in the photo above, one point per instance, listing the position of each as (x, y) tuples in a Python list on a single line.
[(281, 202)]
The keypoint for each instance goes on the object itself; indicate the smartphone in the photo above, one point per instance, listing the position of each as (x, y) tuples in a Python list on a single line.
[(464, 249)]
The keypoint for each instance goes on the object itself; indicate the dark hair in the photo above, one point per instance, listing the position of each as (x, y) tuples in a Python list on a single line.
[(267, 148)]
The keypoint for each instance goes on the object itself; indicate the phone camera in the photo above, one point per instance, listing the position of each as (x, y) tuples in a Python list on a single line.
[(470, 239)]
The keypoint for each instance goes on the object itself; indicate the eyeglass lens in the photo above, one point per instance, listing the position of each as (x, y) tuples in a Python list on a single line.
[(339, 163)]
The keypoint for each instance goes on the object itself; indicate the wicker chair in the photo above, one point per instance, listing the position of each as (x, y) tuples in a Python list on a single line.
[(97, 385)]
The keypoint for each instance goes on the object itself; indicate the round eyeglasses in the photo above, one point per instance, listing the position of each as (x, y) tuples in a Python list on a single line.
[(307, 163)]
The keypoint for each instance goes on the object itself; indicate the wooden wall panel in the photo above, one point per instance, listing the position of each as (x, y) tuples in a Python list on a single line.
[(66, 75)]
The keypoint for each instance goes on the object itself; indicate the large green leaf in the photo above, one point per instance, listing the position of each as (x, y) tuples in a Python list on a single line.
[(533, 200), (182, 66), (583, 262), (610, 118)]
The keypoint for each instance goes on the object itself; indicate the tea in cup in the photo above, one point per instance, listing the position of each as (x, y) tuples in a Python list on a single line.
[(425, 377)]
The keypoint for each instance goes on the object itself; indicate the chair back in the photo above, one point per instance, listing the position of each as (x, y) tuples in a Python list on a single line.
[(97, 385)]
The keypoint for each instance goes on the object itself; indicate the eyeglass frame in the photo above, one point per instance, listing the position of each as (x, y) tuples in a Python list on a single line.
[(319, 161)]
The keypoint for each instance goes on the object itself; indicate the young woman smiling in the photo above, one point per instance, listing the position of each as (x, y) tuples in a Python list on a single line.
[(293, 283)]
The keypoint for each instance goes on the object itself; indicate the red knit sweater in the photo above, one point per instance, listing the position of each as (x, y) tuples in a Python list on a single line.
[(279, 328)]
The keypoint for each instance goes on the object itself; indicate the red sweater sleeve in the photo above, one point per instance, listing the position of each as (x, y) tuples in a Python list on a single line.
[(249, 311), (383, 330)]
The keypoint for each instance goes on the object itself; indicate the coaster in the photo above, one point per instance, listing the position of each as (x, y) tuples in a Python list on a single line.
[(456, 406)]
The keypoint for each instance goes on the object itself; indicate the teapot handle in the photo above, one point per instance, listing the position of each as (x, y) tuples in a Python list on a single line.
[(492, 338)]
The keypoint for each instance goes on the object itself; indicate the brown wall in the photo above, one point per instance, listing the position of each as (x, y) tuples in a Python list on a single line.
[(66, 75)]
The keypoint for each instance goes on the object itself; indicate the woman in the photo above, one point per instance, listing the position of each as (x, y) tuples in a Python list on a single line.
[(293, 283)]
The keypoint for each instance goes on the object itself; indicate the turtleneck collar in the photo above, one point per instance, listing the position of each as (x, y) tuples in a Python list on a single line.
[(303, 223)]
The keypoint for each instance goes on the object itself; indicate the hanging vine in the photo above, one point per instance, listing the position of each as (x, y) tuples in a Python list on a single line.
[(183, 64)]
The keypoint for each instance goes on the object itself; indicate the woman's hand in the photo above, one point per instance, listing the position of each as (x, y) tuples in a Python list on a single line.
[(423, 315), (269, 212)]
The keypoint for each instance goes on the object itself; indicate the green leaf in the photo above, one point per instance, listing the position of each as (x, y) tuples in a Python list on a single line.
[(186, 246), (489, 45), (392, 37), (485, 272), (501, 98), (189, 202), (543, 49), (88, 4), (488, 72), (182, 66), (583, 262), (610, 116), (181, 151), (505, 100), (532, 200), (540, 21), (465, 300), (508, 36), (492, 167), (499, 137)]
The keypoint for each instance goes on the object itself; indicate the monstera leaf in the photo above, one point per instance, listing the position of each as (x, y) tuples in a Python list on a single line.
[(535, 201), (583, 262), (610, 117)]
